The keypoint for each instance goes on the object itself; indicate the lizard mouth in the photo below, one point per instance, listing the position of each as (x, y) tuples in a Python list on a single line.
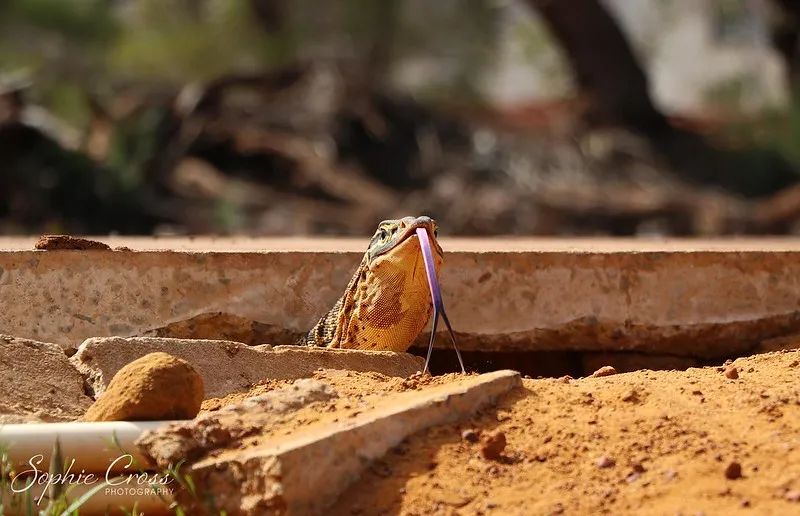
[(410, 232)]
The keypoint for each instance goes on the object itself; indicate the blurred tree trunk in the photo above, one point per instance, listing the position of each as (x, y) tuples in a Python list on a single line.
[(786, 37), (607, 72), (605, 68), (270, 14)]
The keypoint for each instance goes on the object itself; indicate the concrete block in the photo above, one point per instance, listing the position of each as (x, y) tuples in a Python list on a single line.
[(304, 473), (232, 366), (38, 383), (706, 299)]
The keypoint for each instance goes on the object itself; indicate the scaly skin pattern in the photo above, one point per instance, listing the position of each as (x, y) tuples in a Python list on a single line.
[(387, 302)]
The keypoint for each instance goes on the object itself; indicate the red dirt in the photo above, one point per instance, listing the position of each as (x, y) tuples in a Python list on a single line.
[(666, 442), (69, 243)]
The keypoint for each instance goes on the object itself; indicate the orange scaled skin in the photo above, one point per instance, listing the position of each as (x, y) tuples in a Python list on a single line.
[(387, 302)]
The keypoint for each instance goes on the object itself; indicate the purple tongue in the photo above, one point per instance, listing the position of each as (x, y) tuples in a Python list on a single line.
[(436, 296)]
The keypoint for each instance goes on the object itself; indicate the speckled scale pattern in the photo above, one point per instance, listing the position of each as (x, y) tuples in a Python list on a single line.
[(384, 307)]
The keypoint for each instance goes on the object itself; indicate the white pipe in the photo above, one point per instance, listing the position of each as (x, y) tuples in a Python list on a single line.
[(95, 447)]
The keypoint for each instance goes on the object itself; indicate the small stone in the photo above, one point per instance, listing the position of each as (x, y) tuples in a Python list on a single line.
[(68, 243), (733, 471), (471, 435), (792, 496), (630, 395), (605, 462), (493, 445), (154, 387), (745, 502), (604, 371), (564, 379), (731, 372)]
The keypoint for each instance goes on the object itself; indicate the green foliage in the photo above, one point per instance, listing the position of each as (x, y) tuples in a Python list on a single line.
[(776, 129), (78, 20), (179, 41), (59, 502)]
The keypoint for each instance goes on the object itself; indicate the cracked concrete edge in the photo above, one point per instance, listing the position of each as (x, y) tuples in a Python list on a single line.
[(672, 302), (228, 366), (307, 474)]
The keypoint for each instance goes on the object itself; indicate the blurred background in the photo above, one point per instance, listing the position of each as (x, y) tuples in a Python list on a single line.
[(496, 117)]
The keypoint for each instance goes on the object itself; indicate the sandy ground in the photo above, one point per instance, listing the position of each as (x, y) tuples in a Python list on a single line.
[(646, 442)]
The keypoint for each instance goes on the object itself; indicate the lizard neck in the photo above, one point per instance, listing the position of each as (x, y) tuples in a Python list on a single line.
[(327, 331), (385, 306)]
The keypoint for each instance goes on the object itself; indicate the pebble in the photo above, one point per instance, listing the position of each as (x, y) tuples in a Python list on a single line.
[(605, 462), (630, 395), (471, 435), (792, 496), (604, 371), (733, 471), (493, 444), (731, 372)]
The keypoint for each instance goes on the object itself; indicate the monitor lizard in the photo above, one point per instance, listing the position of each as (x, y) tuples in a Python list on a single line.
[(387, 302)]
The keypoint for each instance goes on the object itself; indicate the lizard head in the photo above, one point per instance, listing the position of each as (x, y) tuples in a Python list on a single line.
[(397, 238)]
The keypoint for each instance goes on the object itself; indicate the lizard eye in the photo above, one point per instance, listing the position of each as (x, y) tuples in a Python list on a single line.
[(384, 234)]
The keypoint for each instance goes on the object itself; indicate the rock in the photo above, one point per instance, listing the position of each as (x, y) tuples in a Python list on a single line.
[(154, 387), (630, 395), (792, 495), (251, 470), (733, 471), (68, 243), (228, 367), (471, 435), (38, 383), (604, 371), (731, 372), (492, 445), (605, 462)]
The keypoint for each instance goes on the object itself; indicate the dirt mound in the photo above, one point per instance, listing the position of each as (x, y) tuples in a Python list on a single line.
[(68, 243), (154, 387), (665, 442)]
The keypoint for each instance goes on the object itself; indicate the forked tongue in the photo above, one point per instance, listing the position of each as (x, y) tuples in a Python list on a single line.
[(436, 298)]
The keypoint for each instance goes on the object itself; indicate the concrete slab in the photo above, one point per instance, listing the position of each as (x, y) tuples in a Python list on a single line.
[(704, 298), (38, 384), (232, 366), (303, 473)]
